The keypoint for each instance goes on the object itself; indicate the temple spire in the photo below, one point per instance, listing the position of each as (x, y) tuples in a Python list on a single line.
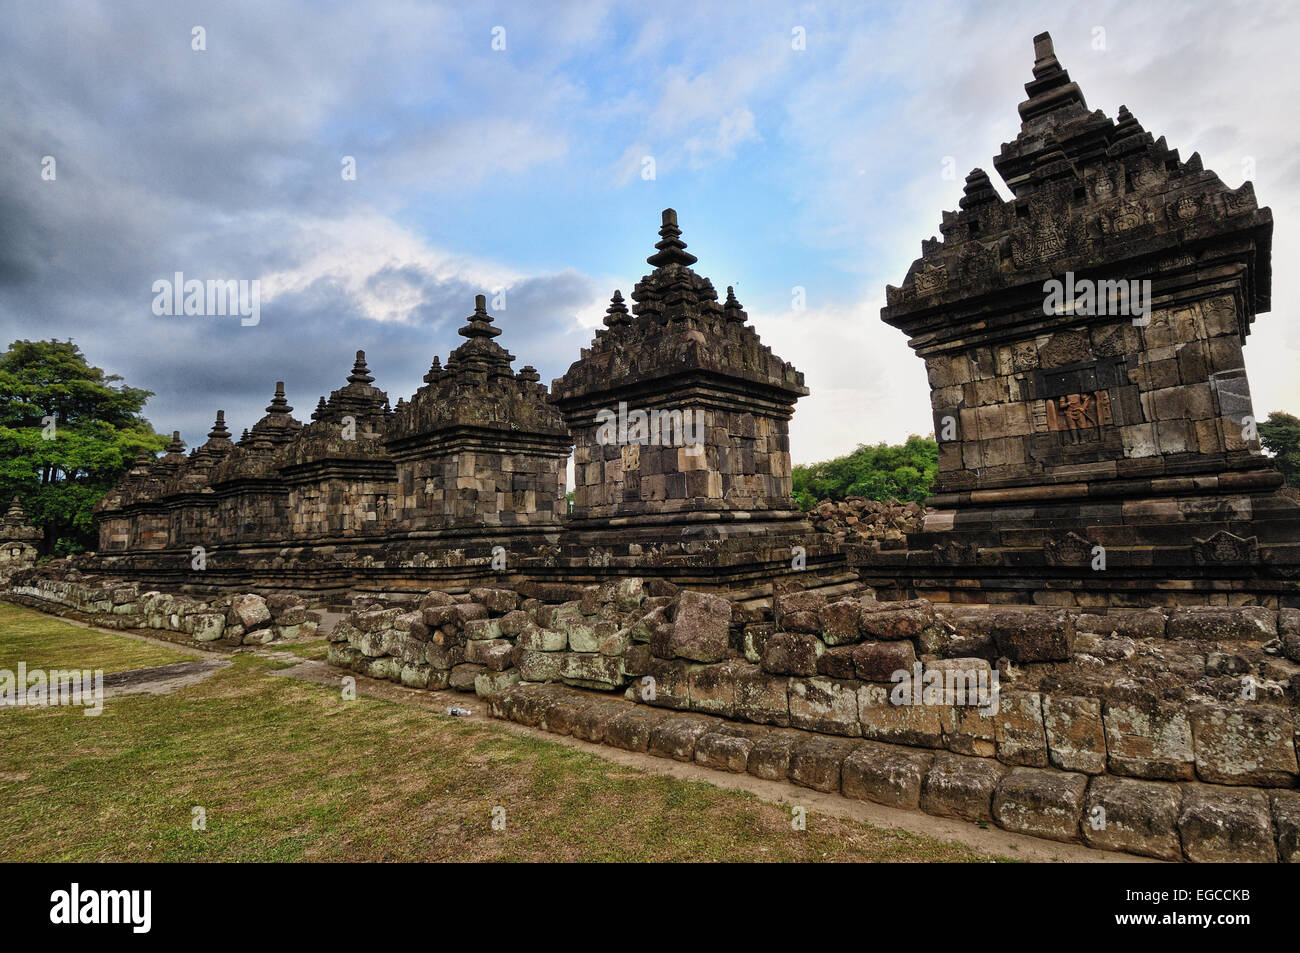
[(360, 373), (732, 309), (177, 445), (616, 314), (278, 404), (479, 324), (219, 431), (1050, 88), (978, 191), (671, 248)]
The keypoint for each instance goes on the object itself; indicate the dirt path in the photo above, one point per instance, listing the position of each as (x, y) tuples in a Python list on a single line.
[(991, 840), (161, 679)]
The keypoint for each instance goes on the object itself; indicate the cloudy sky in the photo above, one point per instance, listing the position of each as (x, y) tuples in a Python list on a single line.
[(526, 169)]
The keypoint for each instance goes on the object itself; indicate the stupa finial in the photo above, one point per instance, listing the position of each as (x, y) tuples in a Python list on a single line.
[(671, 248)]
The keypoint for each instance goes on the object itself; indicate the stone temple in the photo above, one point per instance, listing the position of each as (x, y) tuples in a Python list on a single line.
[(466, 480), (1096, 448), (1099, 614), (1075, 436)]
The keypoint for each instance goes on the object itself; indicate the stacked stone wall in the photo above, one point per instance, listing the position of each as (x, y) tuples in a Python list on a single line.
[(244, 619), (1164, 732)]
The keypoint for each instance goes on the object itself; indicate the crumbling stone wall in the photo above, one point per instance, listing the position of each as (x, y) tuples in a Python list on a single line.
[(18, 540), (859, 520), (1169, 733), (245, 619)]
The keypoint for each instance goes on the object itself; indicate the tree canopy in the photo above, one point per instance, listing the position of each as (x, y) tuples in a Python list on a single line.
[(885, 471), (1280, 435), (68, 433)]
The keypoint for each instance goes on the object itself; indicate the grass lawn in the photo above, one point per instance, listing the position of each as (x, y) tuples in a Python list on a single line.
[(46, 642), (288, 770)]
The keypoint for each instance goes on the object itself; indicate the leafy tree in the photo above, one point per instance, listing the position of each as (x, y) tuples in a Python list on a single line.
[(68, 433), (885, 471), (1280, 435)]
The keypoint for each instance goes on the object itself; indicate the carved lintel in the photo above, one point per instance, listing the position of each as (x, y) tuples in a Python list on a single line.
[(1225, 549), (1068, 550), (953, 553)]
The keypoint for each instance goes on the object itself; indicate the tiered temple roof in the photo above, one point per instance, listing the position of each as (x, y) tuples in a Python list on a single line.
[(1086, 191), (476, 391), (677, 329)]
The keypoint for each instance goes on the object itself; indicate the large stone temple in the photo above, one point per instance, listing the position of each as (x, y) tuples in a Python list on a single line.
[(466, 480), (1097, 446), (1089, 451)]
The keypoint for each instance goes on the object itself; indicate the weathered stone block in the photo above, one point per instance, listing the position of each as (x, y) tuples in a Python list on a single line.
[(1040, 803), (1221, 825), (754, 640), (490, 683), (589, 724), (806, 622), (888, 621), (1076, 735), (826, 705), (494, 653), (444, 657), (1139, 817), (839, 622), (560, 717), (463, 675), (792, 653), (676, 736), (538, 666), (1245, 745), (631, 730), (961, 787), (1152, 740), (790, 602), (515, 622), (498, 601), (537, 639), (882, 720), (724, 752), (1018, 729), (815, 762), (1286, 823), (666, 684), (700, 627), (477, 629), (414, 676), (1213, 623), (885, 774), (1034, 636), (769, 757), (251, 612), (1140, 624), (971, 731), (760, 697), (712, 688), (591, 670), (878, 661), (205, 626)]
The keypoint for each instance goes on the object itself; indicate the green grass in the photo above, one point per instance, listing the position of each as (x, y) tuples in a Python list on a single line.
[(47, 642), (287, 770)]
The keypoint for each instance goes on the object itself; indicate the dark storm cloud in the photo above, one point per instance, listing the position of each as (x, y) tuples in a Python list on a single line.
[(220, 164)]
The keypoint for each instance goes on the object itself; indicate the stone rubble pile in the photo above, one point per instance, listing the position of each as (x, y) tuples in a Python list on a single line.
[(859, 520)]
